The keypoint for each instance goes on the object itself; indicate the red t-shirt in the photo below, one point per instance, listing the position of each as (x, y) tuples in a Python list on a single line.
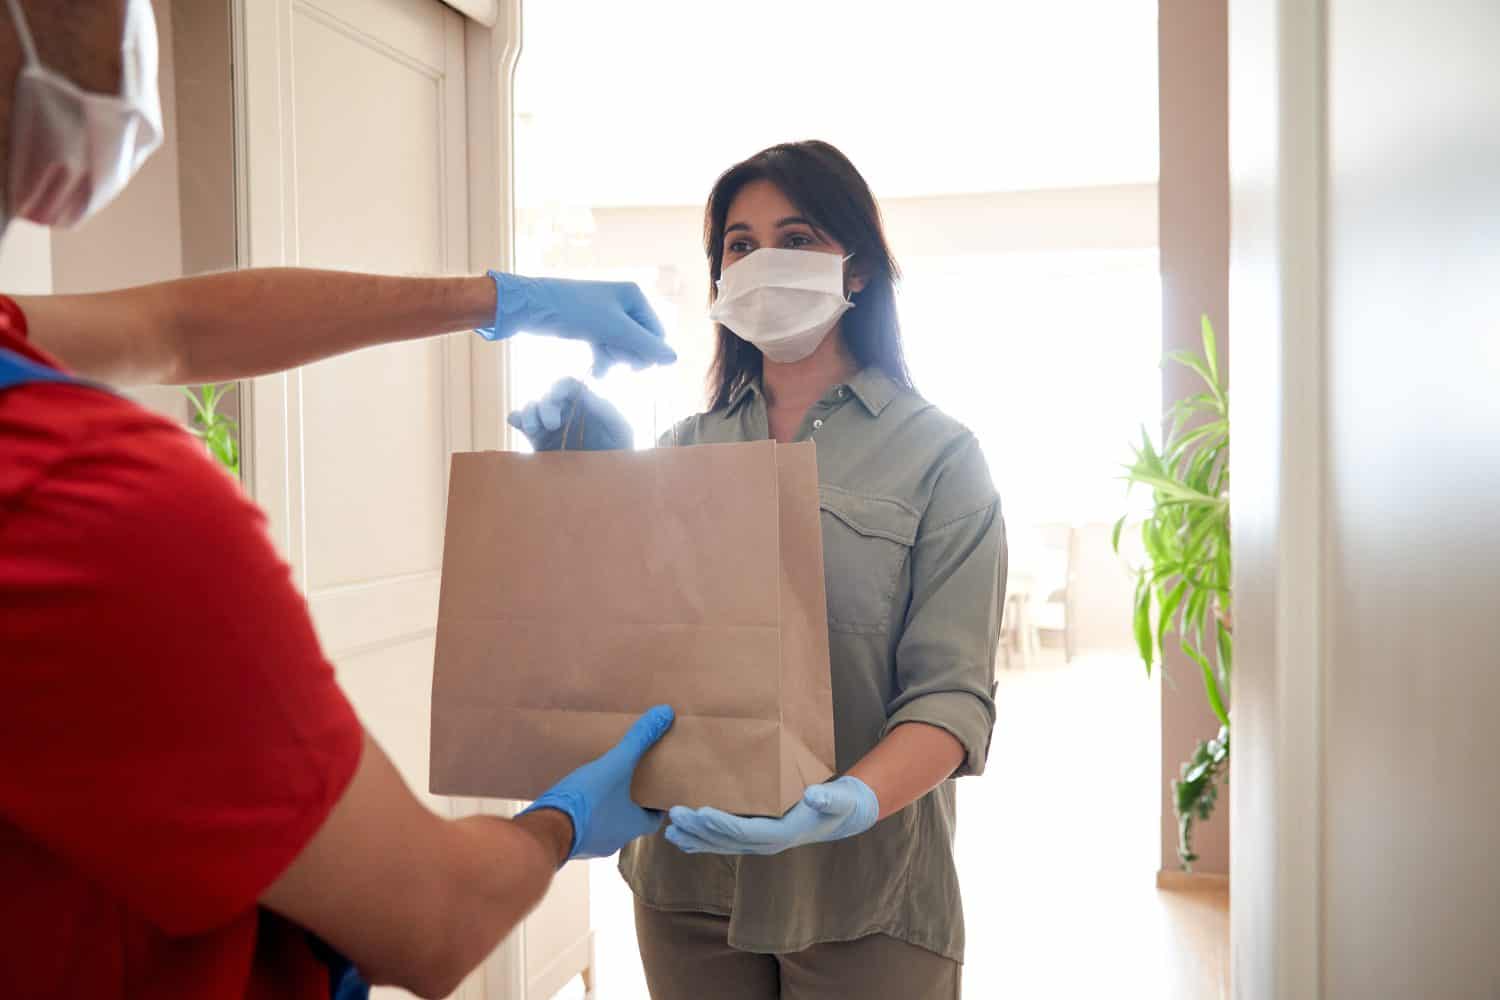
[(171, 736)]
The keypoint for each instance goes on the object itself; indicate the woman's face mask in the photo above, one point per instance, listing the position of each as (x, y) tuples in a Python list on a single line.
[(72, 151), (782, 301)]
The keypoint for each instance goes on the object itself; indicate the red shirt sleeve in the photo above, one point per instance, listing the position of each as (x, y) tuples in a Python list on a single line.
[(168, 723)]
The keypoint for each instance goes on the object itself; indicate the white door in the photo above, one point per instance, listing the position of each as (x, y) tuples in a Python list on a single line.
[(374, 135), (350, 455), (354, 156)]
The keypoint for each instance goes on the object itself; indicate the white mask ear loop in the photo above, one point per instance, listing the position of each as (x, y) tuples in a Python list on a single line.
[(23, 31)]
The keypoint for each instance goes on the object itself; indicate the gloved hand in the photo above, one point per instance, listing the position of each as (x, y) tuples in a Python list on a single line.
[(613, 316), (596, 797), (590, 422), (832, 811)]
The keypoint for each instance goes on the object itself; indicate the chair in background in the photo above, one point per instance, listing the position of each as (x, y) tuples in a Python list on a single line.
[(1012, 621), (1049, 607)]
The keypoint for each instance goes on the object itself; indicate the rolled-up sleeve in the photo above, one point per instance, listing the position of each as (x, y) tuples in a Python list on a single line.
[(945, 658)]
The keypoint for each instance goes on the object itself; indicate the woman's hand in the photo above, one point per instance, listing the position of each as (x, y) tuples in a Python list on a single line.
[(911, 761), (569, 416), (833, 811)]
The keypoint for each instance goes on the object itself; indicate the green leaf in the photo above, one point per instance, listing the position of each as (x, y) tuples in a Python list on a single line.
[(1225, 643), (1206, 528), (1210, 348), (1114, 536), (1143, 621), (1192, 618), (1212, 429), (222, 445), (1191, 361), (1151, 540), (1147, 451), (1198, 402), (1172, 488), (1210, 683), (219, 391), (201, 416), (1163, 570), (1168, 609), (1199, 474)]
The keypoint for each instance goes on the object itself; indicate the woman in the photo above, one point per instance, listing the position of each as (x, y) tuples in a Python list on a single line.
[(854, 892)]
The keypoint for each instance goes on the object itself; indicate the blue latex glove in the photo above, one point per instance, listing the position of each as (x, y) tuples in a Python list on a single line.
[(613, 316), (590, 422), (596, 797), (839, 809)]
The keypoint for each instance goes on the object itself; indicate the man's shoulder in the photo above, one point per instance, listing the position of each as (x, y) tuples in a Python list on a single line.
[(48, 426)]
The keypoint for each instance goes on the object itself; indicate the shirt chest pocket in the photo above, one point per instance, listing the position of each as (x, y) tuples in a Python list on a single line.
[(866, 547)]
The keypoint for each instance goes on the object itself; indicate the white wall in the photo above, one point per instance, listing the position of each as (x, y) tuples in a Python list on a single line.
[(134, 240), (26, 259), (1194, 210), (137, 238), (1366, 178), (1413, 354)]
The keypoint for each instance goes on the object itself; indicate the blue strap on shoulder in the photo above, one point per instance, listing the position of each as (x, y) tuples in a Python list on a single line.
[(17, 369)]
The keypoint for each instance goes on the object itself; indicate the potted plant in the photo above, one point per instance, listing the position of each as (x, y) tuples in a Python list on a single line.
[(218, 432), (1184, 585)]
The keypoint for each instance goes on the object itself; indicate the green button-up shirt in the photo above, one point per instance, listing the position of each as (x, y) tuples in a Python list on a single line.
[(914, 557)]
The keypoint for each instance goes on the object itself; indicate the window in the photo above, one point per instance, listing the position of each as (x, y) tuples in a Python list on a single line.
[(1051, 359)]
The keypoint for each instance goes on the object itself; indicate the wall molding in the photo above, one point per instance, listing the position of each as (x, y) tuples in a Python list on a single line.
[(1180, 881)]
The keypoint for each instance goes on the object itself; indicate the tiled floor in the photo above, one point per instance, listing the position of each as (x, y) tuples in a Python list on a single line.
[(1057, 851)]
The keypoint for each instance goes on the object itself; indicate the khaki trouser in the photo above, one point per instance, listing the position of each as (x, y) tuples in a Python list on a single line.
[(687, 957)]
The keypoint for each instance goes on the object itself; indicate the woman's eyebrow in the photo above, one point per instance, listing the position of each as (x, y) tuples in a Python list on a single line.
[(790, 220)]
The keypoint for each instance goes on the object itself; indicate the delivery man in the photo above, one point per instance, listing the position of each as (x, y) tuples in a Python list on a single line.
[(188, 805)]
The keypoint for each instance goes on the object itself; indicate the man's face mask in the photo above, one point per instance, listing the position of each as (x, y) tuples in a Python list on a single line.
[(71, 151), (782, 301)]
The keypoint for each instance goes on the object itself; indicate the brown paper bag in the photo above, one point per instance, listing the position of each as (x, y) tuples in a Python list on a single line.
[(581, 588)]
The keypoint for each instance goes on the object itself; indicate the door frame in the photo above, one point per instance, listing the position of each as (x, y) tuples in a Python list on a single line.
[(1278, 121)]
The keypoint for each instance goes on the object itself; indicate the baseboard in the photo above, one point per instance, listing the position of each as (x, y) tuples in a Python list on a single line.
[(1176, 881)]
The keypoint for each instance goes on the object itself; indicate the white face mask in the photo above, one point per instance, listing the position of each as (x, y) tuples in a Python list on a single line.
[(782, 301), (72, 151)]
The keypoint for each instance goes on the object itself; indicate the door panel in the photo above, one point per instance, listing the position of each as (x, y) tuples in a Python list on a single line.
[(369, 142), (360, 162), (371, 123), (392, 685), (410, 29), (375, 466)]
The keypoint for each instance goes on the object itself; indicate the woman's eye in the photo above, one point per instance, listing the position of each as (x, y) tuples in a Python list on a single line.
[(738, 246), (797, 241)]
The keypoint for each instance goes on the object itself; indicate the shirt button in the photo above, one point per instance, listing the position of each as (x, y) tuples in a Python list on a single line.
[(817, 425)]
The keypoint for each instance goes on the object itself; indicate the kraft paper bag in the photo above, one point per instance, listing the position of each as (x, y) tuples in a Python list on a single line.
[(581, 588)]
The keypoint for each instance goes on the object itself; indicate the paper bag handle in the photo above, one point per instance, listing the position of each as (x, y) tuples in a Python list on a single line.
[(568, 424)]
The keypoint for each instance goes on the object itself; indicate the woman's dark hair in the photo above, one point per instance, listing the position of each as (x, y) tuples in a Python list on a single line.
[(826, 188)]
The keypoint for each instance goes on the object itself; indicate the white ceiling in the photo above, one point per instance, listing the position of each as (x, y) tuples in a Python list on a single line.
[(645, 102)]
